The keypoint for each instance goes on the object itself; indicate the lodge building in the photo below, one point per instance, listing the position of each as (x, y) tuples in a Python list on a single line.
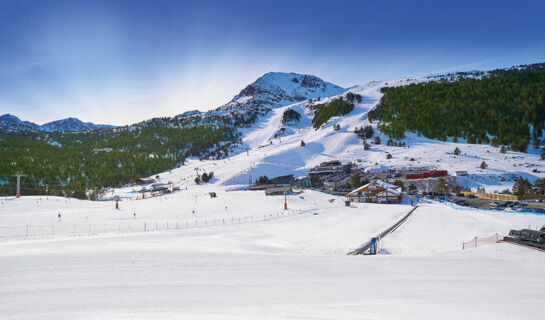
[(376, 192)]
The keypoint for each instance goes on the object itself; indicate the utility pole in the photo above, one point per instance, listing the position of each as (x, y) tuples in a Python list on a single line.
[(19, 174)]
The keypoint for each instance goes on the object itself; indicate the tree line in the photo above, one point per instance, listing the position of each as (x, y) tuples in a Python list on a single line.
[(502, 107), (71, 163)]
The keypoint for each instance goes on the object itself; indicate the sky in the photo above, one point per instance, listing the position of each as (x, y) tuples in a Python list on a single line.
[(120, 62)]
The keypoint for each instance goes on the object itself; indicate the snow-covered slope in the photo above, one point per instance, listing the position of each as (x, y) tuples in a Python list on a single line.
[(293, 267), (271, 148), (274, 90)]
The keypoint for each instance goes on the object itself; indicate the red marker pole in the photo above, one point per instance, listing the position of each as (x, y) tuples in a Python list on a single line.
[(117, 204)]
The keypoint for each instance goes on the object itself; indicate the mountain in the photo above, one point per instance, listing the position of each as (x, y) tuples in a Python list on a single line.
[(270, 146), (71, 124), (11, 123), (274, 90)]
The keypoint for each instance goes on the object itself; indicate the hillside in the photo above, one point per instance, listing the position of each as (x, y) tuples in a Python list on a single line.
[(250, 137), (86, 158), (504, 107), (274, 148), (70, 163), (274, 90)]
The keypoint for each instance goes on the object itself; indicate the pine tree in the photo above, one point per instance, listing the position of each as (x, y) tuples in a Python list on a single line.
[(356, 181)]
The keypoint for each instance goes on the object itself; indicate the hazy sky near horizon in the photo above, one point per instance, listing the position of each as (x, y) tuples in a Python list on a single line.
[(119, 62)]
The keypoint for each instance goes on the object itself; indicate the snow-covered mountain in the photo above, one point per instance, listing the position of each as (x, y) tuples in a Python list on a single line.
[(71, 124), (273, 148), (274, 90), (11, 123)]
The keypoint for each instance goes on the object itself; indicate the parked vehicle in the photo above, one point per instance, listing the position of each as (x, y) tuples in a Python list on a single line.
[(528, 237)]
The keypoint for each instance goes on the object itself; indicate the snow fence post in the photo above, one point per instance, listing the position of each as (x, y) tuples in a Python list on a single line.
[(475, 242)]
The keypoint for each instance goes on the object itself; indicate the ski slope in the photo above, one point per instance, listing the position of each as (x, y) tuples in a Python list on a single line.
[(295, 268), (264, 154)]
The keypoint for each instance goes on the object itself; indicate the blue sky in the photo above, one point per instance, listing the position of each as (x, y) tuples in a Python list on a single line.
[(120, 62)]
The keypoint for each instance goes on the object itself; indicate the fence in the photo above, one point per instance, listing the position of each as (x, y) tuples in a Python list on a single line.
[(477, 242), (503, 196), (62, 229)]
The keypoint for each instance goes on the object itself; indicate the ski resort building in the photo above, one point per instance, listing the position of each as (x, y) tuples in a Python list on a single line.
[(276, 191), (376, 192)]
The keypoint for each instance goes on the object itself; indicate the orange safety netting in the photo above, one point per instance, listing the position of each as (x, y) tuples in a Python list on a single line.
[(477, 242)]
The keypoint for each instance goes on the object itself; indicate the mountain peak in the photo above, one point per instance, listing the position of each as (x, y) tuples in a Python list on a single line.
[(292, 84), (13, 122), (276, 89), (71, 124), (9, 122)]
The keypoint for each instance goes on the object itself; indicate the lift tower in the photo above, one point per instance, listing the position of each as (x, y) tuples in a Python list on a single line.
[(19, 174)]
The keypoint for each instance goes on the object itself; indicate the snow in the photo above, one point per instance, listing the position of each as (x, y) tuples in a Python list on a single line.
[(275, 263), (446, 228), (294, 267), (263, 154)]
